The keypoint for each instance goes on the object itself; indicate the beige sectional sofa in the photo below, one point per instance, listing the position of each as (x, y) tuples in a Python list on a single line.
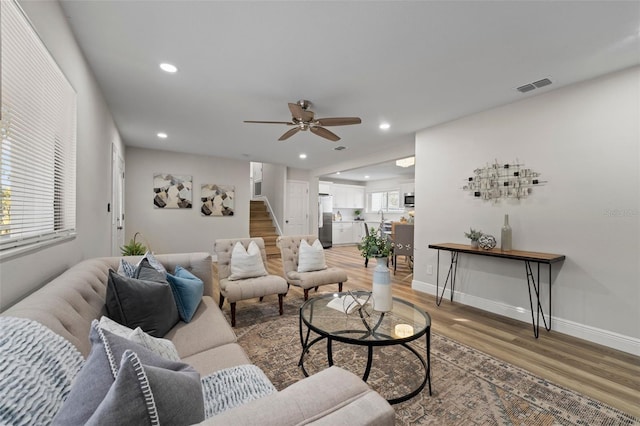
[(68, 304)]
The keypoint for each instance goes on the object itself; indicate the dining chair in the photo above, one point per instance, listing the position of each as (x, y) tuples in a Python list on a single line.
[(402, 244)]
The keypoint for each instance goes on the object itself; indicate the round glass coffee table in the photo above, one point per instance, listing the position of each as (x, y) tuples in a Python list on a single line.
[(326, 316)]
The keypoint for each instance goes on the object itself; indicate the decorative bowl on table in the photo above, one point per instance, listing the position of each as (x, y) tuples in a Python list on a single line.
[(487, 242)]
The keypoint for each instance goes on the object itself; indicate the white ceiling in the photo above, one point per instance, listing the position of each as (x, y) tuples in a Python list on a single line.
[(412, 64), (373, 172)]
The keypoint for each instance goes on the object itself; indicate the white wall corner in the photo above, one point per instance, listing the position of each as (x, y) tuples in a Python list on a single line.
[(592, 334)]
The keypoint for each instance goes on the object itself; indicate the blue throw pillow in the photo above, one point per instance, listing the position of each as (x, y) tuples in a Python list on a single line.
[(187, 291)]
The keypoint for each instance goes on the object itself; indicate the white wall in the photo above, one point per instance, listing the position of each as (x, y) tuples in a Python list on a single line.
[(274, 184), (96, 132), (182, 230), (585, 140)]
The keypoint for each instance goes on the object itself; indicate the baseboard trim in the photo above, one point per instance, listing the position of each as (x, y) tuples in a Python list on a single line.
[(592, 334)]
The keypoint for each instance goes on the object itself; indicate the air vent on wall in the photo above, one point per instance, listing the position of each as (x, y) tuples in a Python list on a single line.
[(535, 85)]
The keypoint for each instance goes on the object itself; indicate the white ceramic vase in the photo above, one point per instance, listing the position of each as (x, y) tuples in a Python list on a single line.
[(382, 296)]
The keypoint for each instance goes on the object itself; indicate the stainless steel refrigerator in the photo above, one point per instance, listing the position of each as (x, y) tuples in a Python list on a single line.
[(325, 220)]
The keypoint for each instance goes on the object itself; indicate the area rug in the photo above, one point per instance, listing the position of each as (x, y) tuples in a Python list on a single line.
[(469, 386)]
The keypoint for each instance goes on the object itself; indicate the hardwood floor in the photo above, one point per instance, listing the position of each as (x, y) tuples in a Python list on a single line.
[(605, 374)]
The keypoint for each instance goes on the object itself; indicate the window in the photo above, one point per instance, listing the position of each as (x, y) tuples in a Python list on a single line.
[(38, 131), (383, 200)]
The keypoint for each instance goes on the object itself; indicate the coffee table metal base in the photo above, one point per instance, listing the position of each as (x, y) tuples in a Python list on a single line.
[(306, 345)]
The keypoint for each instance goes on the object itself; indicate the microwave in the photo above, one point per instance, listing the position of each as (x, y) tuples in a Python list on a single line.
[(409, 200)]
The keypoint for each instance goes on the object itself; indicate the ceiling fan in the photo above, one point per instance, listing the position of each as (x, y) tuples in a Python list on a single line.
[(303, 119)]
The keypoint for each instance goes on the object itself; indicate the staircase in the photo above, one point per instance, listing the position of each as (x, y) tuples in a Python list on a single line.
[(261, 225)]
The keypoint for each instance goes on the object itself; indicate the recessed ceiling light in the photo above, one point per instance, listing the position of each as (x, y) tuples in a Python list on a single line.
[(303, 156), (384, 126), (406, 162), (366, 176), (337, 173), (162, 135), (170, 68)]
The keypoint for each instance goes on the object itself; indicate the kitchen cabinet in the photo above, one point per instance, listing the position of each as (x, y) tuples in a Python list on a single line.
[(357, 231), (324, 188), (342, 232), (348, 196)]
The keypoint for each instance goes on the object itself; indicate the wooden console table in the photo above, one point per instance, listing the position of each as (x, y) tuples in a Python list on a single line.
[(528, 257)]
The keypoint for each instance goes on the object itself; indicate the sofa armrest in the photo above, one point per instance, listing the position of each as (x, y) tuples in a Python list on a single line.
[(332, 397)]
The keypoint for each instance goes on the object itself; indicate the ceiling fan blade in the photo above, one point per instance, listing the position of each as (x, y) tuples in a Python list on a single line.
[(289, 133), (270, 122), (300, 114), (338, 121), (325, 133), (296, 111)]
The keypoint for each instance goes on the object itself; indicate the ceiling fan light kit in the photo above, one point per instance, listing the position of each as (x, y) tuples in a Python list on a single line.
[(304, 119)]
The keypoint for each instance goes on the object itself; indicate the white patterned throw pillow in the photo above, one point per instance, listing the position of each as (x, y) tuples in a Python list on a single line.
[(311, 257), (246, 263), (163, 347)]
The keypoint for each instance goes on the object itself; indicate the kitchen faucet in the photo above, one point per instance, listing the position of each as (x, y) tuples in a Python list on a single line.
[(381, 215)]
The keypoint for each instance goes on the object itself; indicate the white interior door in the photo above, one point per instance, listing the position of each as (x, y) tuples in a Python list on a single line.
[(296, 221), (117, 201)]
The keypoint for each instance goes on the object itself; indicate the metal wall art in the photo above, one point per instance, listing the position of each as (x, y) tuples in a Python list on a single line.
[(502, 181)]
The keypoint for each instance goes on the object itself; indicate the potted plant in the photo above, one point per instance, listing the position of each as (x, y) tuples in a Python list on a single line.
[(134, 248), (357, 213), (474, 236), (374, 245)]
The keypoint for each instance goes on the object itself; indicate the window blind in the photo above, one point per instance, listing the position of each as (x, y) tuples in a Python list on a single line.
[(38, 131)]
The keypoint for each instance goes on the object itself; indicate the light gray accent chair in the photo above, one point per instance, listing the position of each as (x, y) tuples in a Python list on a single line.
[(289, 249), (248, 288)]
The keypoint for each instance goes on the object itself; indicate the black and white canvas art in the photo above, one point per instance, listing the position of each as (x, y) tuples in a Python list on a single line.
[(172, 191), (217, 200)]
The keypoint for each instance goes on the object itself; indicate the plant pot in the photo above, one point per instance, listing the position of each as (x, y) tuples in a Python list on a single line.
[(474, 244)]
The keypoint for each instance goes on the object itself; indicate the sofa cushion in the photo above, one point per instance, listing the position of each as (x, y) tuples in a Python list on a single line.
[(95, 381), (163, 347), (311, 257), (187, 292), (139, 303), (218, 358), (208, 325), (246, 263)]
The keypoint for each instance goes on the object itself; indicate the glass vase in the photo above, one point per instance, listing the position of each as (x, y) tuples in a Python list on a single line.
[(505, 238)]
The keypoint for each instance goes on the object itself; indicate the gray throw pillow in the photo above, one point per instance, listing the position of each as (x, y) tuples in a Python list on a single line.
[(140, 303), (98, 388), (146, 271), (143, 394)]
